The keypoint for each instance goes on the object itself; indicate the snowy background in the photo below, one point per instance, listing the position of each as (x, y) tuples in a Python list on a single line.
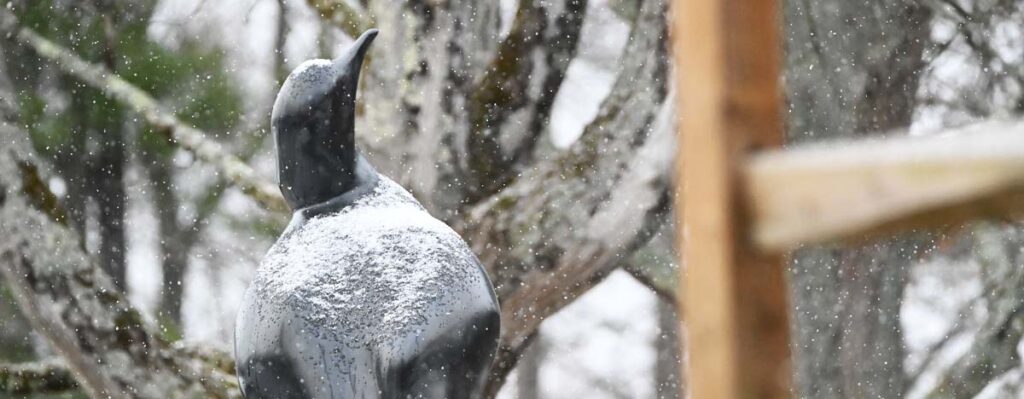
[(604, 344)]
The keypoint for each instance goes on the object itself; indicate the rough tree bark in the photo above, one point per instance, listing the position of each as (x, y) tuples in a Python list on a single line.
[(510, 103), (852, 68), (416, 85), (35, 378), (73, 304), (603, 199), (111, 200), (655, 265), (668, 364), (16, 343), (991, 366), (528, 371), (176, 240), (108, 172)]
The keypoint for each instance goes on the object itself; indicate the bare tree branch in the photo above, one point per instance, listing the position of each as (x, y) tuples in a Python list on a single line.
[(561, 227), (994, 349), (665, 292), (525, 74), (655, 266), (142, 103), (935, 349), (53, 376)]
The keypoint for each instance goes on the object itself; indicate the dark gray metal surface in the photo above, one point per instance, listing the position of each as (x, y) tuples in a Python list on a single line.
[(365, 295)]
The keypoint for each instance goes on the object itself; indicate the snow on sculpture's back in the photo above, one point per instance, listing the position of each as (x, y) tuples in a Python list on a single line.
[(365, 295), (393, 272)]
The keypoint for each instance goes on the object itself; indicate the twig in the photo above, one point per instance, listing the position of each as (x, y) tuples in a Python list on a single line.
[(936, 348)]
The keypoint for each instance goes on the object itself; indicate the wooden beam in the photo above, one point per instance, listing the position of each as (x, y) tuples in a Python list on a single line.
[(859, 189), (735, 307)]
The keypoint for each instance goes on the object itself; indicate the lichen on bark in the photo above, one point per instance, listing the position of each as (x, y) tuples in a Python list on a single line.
[(74, 305)]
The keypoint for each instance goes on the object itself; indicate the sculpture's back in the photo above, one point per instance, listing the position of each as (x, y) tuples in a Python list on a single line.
[(365, 295)]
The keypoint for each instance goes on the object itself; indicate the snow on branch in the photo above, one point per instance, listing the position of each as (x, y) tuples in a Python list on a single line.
[(993, 346), (152, 111), (568, 222), (74, 305), (35, 378)]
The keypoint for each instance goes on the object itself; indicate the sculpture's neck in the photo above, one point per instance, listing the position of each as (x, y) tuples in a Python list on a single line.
[(364, 181), (313, 172)]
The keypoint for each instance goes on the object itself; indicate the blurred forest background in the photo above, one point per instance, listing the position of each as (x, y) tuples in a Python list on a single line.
[(137, 185)]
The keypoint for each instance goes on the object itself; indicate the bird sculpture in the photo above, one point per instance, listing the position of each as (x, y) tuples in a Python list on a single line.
[(364, 295)]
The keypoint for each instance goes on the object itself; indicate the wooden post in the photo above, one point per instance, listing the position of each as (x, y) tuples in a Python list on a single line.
[(735, 304)]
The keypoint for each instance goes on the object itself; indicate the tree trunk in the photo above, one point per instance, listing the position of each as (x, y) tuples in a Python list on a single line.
[(852, 68), (528, 370), (108, 170), (174, 252), (109, 192), (70, 162), (668, 364), (16, 336)]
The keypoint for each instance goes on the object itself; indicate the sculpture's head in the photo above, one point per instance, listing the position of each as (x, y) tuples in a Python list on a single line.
[(313, 124)]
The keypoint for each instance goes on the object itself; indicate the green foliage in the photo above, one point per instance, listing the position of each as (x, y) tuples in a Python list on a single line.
[(268, 228), (170, 331), (76, 394), (625, 9), (191, 79), (48, 133)]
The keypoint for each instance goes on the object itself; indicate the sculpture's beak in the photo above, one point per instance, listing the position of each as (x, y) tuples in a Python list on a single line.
[(347, 65)]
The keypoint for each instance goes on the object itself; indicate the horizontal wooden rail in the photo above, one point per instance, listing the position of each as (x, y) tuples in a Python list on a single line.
[(854, 189)]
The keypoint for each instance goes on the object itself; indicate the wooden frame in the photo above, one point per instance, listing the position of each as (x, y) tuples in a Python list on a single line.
[(741, 200)]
